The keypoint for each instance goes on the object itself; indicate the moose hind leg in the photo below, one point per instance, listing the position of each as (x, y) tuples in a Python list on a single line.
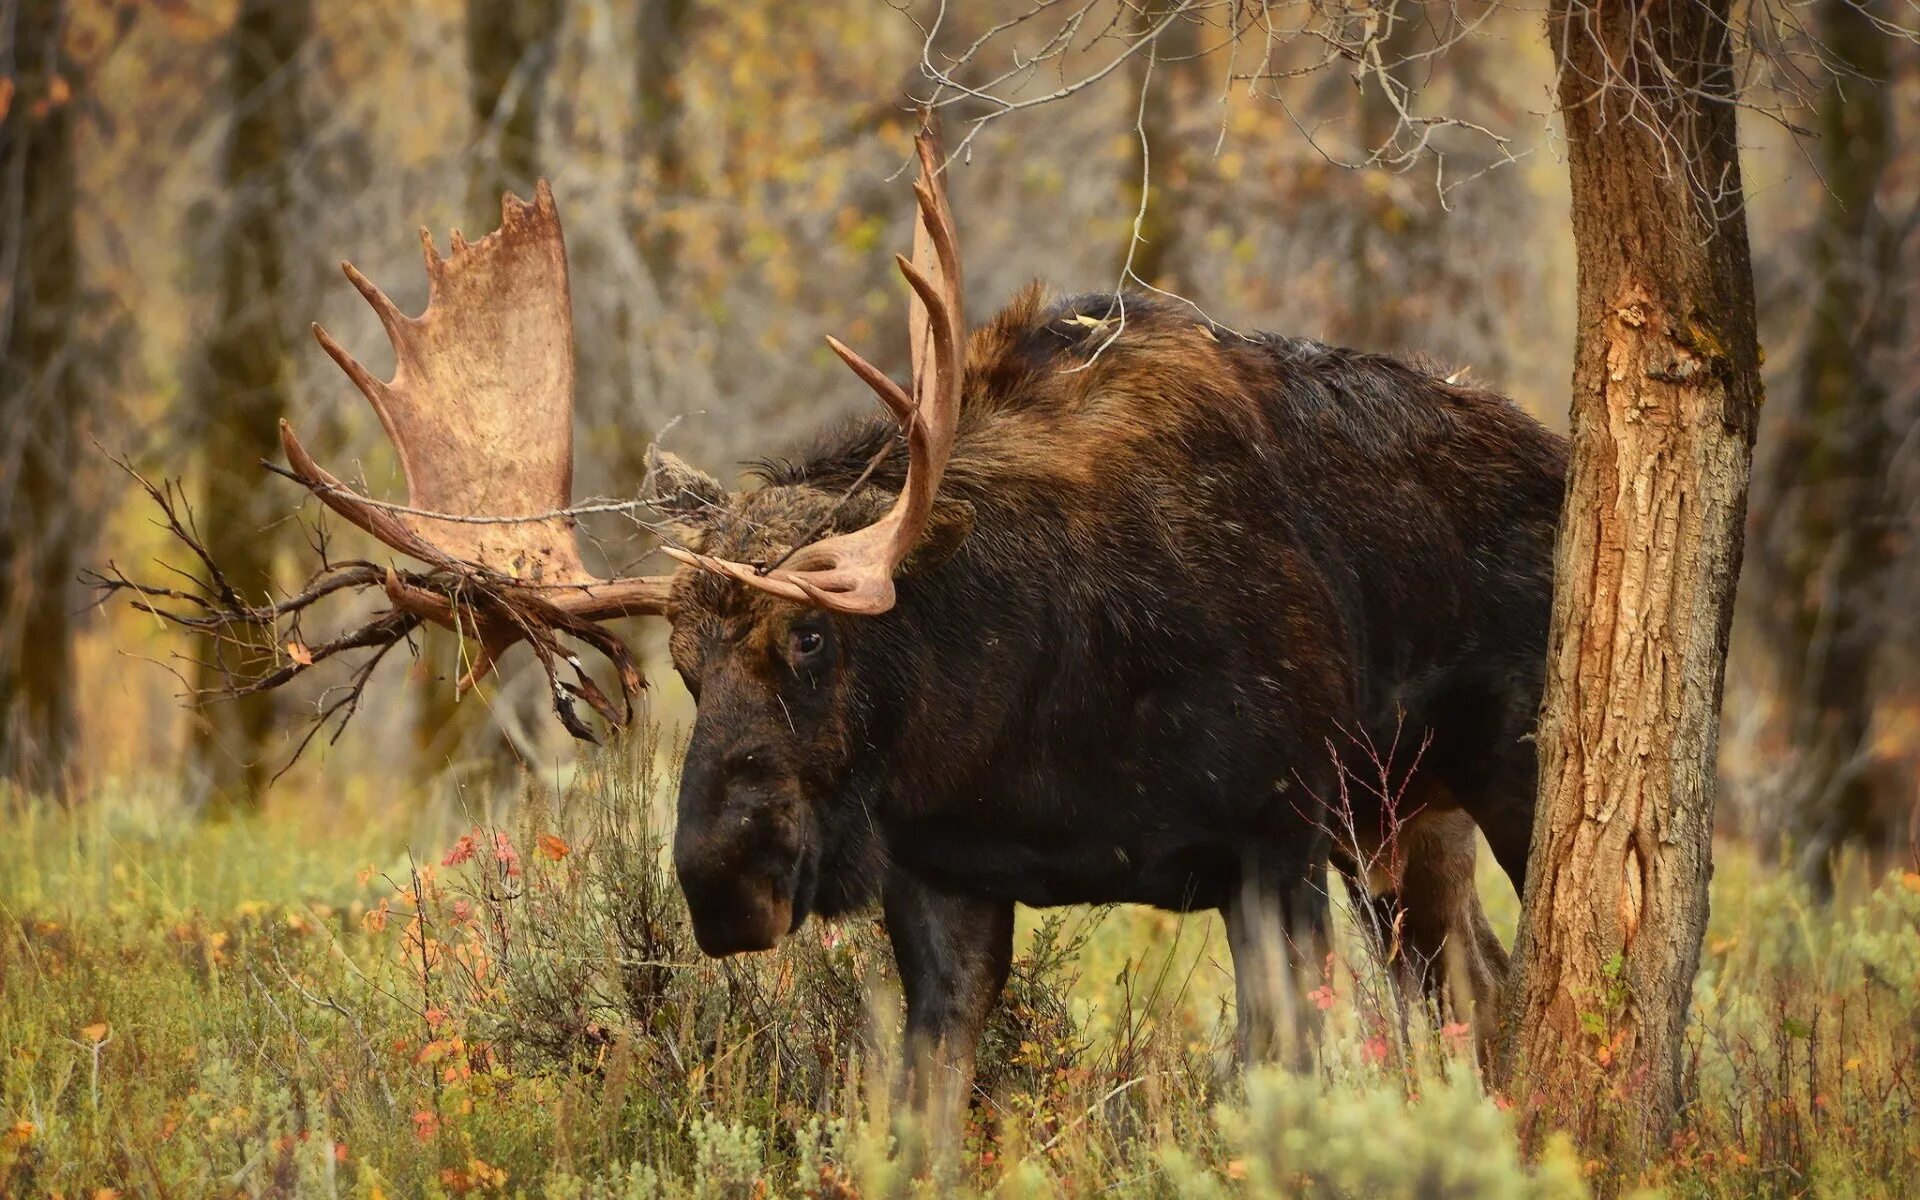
[(1444, 938)]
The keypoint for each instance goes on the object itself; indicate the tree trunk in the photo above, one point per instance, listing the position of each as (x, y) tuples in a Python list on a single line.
[(511, 45), (248, 374), (1165, 77), (1666, 389), (659, 158), (1835, 524), (510, 50), (1375, 318), (40, 404)]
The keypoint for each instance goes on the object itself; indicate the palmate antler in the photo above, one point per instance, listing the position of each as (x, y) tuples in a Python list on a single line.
[(480, 412)]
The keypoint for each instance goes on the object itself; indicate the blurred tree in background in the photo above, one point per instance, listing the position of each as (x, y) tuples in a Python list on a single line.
[(42, 407), (510, 53), (1841, 521), (245, 382), (659, 162), (727, 178)]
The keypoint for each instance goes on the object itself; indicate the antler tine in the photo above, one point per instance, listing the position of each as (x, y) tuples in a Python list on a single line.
[(853, 572), (391, 318), (369, 385), (891, 394)]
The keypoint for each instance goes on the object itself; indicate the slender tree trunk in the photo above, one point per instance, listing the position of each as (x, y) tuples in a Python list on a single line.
[(248, 373), (511, 46), (1165, 78), (658, 177), (1376, 316), (40, 403), (510, 50), (1830, 472), (659, 157), (1666, 388)]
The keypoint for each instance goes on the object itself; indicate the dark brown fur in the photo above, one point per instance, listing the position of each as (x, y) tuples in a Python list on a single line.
[(1175, 576)]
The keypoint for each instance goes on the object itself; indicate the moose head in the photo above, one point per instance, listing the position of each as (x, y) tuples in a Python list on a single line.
[(775, 584)]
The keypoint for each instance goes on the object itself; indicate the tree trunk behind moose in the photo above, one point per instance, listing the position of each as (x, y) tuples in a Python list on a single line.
[(248, 374), (510, 50), (658, 151), (511, 46), (1830, 542), (1163, 81), (1375, 310), (40, 405), (1666, 389)]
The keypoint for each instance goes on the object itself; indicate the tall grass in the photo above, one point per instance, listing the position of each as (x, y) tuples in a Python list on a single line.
[(346, 1002)]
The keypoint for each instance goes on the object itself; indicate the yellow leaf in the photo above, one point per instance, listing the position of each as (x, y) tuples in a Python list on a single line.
[(300, 654), (553, 848), (96, 1032)]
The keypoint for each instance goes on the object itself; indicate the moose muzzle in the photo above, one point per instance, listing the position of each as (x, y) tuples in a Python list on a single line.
[(739, 849)]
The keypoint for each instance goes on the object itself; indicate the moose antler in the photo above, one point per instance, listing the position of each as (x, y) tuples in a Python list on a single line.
[(853, 572), (480, 410)]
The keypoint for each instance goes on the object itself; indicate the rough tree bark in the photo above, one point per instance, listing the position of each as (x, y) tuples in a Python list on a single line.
[(1834, 530), (1666, 389), (40, 404), (248, 373)]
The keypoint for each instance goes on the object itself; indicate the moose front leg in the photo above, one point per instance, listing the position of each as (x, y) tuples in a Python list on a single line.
[(954, 953), (1277, 934)]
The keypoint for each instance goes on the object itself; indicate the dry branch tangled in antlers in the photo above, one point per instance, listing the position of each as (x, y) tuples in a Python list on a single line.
[(480, 411)]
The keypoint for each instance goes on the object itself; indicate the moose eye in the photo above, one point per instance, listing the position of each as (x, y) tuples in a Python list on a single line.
[(803, 644)]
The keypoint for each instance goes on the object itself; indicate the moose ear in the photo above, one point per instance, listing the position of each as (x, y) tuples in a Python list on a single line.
[(688, 497), (947, 529)]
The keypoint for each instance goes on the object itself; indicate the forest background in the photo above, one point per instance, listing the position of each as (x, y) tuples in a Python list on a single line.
[(729, 179), (178, 180)]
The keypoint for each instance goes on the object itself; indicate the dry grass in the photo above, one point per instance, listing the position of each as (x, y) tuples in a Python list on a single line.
[(303, 1005)]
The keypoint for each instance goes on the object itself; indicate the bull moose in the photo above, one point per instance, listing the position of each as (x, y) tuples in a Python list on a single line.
[(1100, 612)]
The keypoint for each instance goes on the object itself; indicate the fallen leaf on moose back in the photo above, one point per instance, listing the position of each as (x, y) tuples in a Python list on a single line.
[(96, 1032)]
